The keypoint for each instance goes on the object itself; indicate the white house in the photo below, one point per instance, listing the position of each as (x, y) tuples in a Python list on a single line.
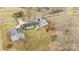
[(16, 34)]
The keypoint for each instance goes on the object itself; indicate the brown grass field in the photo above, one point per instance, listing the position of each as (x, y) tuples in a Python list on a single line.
[(40, 40)]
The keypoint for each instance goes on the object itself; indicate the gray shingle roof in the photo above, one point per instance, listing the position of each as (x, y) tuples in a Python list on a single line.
[(15, 31), (35, 23), (30, 24)]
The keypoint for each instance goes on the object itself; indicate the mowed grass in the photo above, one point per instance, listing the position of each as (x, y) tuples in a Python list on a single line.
[(4, 29), (8, 25), (37, 39)]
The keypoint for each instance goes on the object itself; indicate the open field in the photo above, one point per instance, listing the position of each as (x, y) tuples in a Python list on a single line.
[(64, 36)]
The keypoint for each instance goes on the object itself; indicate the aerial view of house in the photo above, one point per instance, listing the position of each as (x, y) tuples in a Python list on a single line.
[(39, 29)]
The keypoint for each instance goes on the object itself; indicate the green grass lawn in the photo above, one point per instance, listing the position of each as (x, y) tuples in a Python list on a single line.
[(4, 28), (36, 39)]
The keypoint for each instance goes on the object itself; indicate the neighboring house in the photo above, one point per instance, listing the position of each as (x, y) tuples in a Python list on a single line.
[(39, 22), (16, 34)]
